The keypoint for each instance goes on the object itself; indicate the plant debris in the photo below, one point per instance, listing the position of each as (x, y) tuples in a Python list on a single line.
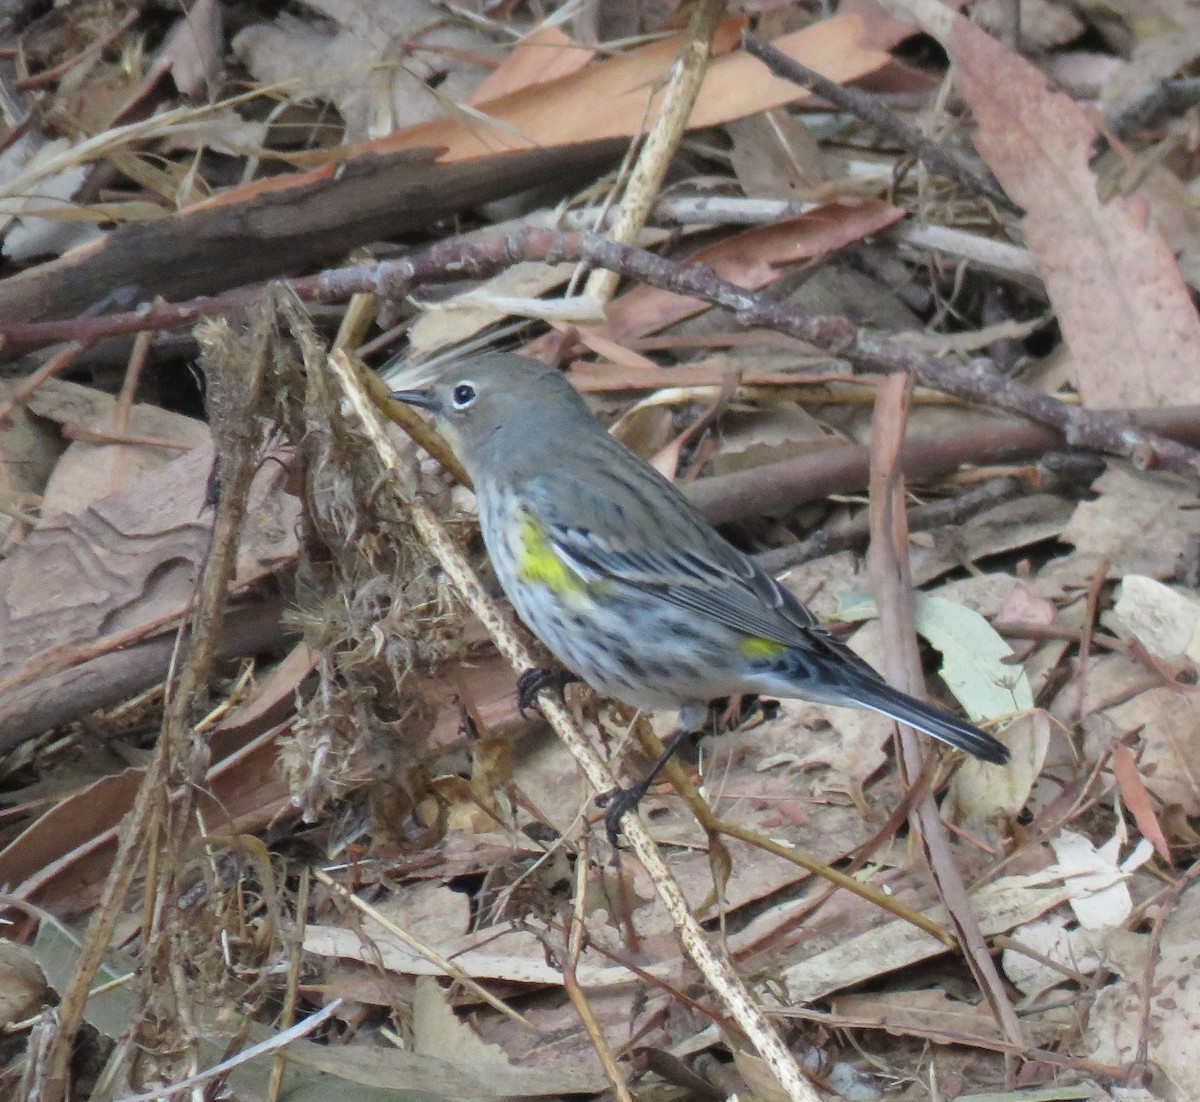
[(901, 295)]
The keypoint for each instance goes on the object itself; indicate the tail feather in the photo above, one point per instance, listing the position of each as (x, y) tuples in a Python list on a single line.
[(931, 719)]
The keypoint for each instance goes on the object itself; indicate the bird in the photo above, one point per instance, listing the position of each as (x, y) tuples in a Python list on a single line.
[(623, 579)]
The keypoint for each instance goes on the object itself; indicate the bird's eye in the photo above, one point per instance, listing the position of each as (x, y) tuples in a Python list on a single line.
[(463, 395)]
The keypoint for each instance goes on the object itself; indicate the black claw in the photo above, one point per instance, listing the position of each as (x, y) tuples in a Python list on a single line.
[(615, 803), (621, 800), (534, 680)]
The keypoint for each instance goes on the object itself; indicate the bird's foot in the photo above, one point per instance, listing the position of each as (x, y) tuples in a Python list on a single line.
[(616, 802), (534, 680), (620, 800), (751, 711)]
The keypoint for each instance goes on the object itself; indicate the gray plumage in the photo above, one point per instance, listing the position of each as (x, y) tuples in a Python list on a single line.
[(620, 576)]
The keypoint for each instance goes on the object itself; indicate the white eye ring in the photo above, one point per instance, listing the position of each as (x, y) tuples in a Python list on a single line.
[(463, 394)]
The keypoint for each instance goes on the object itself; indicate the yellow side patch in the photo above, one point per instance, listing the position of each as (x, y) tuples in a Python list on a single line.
[(540, 565), (755, 646)]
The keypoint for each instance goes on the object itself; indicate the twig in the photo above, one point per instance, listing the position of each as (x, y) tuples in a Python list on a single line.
[(891, 581), (683, 86), (716, 829), (1162, 96), (779, 487), (420, 948), (55, 365), (974, 381), (871, 111), (717, 971), (295, 945), (234, 366), (272, 1044), (1092, 608), (135, 838), (1141, 1058), (1049, 475), (838, 879), (576, 939)]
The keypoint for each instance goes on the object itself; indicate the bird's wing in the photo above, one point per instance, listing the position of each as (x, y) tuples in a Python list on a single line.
[(680, 557)]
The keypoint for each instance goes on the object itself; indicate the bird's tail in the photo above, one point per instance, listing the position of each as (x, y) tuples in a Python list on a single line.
[(931, 719)]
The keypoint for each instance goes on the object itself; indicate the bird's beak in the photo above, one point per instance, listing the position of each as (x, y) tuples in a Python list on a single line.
[(422, 399)]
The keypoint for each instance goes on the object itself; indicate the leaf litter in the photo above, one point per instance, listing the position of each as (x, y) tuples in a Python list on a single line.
[(359, 730)]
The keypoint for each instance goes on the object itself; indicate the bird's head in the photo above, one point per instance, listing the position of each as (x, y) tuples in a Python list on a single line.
[(490, 408)]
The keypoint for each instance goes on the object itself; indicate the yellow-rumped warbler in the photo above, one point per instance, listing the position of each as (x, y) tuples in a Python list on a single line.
[(620, 576)]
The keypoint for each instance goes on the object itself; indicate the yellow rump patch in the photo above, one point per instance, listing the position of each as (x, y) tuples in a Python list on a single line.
[(755, 646)]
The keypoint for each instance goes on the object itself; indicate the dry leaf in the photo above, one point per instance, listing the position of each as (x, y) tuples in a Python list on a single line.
[(929, 1013), (1137, 799), (516, 956), (377, 62), (1099, 895), (752, 260), (1168, 722), (1055, 938), (1173, 1028), (1125, 310), (556, 112), (896, 944), (775, 156), (22, 985), (543, 54), (1140, 523), (1164, 619)]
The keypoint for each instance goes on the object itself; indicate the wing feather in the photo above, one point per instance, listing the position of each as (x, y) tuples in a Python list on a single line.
[(726, 587), (642, 532)]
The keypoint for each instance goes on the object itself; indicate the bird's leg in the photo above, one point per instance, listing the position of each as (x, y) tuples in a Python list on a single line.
[(621, 800), (534, 680)]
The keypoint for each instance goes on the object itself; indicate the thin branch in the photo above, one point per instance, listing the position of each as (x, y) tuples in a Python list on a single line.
[(974, 381), (1049, 475), (868, 108), (683, 86), (892, 583)]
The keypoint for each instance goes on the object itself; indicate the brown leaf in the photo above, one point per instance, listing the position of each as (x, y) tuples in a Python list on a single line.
[(544, 54), (22, 985), (1137, 799), (1125, 310), (558, 111), (1166, 1016), (752, 259)]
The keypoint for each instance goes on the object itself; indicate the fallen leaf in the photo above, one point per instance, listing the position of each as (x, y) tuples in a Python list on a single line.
[(776, 156), (1172, 1028), (1137, 799), (1139, 523), (350, 59), (545, 53), (752, 259), (896, 944), (1165, 620), (516, 956), (931, 1014), (1057, 939), (1099, 895), (1168, 723), (22, 986), (980, 792), (1125, 311), (557, 111)]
